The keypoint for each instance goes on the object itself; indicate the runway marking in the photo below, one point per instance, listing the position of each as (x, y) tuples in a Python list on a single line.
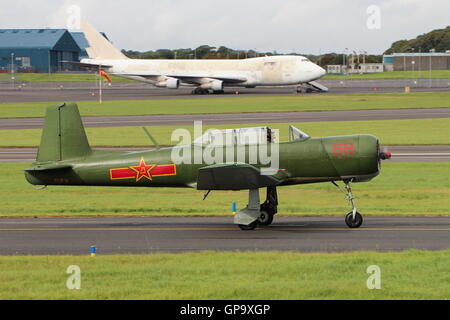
[(224, 229)]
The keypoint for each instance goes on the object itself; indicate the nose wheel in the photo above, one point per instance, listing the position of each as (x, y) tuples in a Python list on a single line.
[(354, 222)]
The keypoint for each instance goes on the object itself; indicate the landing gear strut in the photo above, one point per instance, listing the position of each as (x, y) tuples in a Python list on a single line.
[(270, 207), (255, 213), (353, 219)]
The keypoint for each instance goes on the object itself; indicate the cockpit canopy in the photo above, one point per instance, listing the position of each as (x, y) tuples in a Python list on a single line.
[(247, 136), (241, 136)]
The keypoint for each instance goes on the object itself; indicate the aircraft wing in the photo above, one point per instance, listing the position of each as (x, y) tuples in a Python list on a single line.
[(194, 78), (234, 177)]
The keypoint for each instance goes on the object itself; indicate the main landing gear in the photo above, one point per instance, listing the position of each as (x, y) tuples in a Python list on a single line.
[(255, 213), (200, 91), (353, 219)]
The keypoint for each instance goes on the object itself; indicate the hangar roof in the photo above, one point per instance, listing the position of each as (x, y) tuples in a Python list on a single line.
[(81, 41), (54, 39)]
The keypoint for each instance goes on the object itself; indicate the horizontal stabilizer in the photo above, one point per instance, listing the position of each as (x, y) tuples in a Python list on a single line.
[(92, 66), (233, 177)]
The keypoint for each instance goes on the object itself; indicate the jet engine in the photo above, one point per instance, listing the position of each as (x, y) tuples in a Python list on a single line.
[(170, 83), (216, 85)]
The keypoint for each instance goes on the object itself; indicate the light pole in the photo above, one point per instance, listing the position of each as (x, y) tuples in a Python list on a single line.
[(420, 61), (431, 53), (100, 91), (412, 63), (344, 61), (404, 61), (13, 78)]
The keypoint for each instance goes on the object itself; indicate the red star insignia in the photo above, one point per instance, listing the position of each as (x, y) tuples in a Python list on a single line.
[(143, 170)]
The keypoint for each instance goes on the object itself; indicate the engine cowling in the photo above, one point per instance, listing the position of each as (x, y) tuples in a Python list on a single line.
[(216, 85), (169, 84), (173, 83)]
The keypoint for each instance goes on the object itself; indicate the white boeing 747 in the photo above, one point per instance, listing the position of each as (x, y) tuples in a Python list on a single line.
[(203, 74)]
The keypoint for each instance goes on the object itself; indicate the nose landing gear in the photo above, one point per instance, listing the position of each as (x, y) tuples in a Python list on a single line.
[(353, 219)]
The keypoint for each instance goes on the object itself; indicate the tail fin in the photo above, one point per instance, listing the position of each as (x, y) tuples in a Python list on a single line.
[(64, 136), (100, 48)]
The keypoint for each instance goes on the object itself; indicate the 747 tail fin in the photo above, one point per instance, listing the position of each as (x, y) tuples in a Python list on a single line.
[(99, 47)]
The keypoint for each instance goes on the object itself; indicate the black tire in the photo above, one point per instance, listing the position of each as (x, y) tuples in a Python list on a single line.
[(250, 227), (266, 218), (356, 223)]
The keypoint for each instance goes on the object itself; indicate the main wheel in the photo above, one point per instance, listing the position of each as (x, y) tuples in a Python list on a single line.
[(251, 226), (354, 223), (265, 219)]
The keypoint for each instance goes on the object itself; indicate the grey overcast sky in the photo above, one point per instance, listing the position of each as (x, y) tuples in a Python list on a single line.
[(305, 26)]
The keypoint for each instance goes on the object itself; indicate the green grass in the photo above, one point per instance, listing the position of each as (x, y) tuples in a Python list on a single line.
[(435, 74), (241, 104), (56, 77), (401, 189), (392, 132), (229, 276)]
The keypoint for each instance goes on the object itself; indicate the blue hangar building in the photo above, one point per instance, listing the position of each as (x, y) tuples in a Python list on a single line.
[(40, 50)]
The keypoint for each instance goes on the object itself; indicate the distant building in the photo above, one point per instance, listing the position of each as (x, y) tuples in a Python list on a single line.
[(355, 68), (417, 61), (334, 68), (37, 50), (82, 43)]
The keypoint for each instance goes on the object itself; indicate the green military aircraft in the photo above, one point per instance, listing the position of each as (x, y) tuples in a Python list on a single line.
[(65, 158)]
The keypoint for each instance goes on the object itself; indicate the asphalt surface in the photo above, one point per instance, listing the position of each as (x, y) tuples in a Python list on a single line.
[(238, 118), (149, 235), (399, 153), (139, 92)]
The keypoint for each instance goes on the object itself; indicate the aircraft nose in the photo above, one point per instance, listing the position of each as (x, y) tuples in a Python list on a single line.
[(320, 72)]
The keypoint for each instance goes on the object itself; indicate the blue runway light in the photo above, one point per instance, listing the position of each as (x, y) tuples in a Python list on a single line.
[(233, 208), (93, 251)]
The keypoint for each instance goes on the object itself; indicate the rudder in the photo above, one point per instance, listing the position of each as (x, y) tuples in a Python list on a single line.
[(63, 136)]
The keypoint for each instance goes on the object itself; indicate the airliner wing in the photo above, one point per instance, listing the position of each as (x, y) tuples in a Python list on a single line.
[(194, 78)]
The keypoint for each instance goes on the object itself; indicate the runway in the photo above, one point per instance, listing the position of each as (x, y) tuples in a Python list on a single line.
[(41, 92), (150, 235), (399, 153), (238, 118)]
